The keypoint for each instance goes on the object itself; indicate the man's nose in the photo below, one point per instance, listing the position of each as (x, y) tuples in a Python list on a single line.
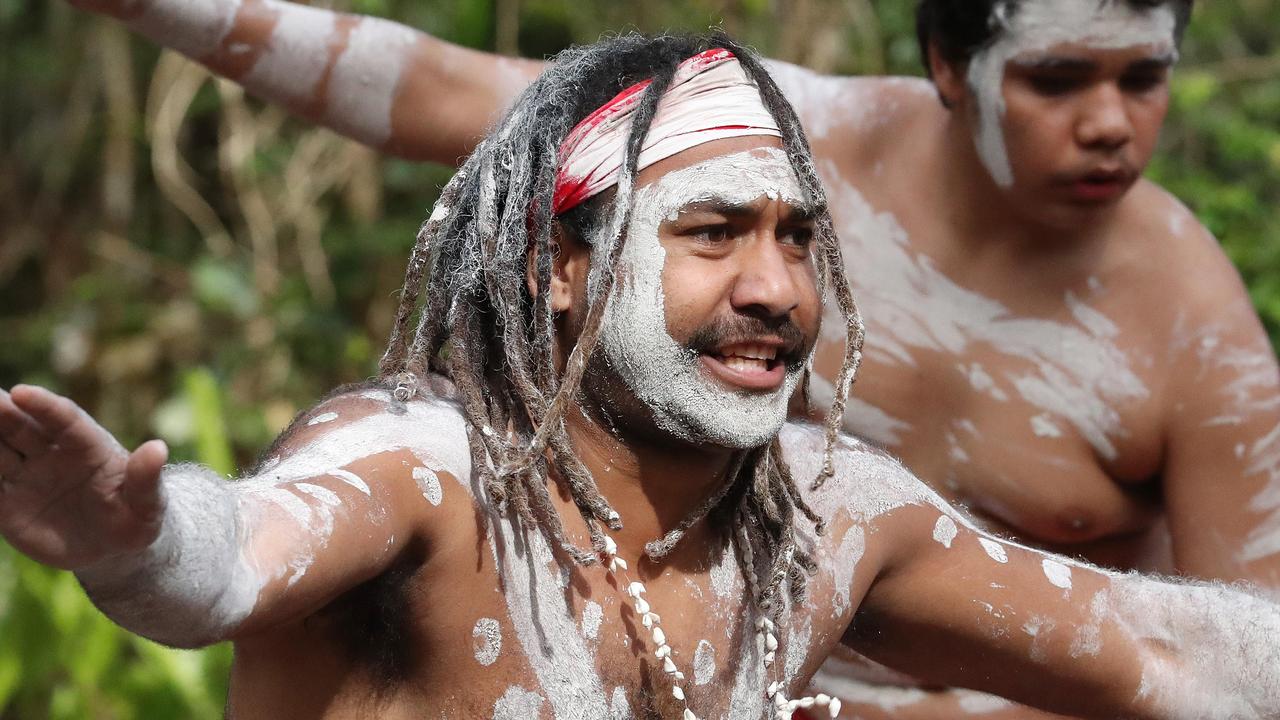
[(1104, 121), (766, 284)]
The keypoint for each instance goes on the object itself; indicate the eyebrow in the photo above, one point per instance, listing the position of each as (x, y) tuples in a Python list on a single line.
[(1062, 63), (802, 211)]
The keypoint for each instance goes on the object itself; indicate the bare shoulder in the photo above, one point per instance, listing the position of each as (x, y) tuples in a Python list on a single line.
[(1157, 224), (868, 482), (852, 109), (363, 422)]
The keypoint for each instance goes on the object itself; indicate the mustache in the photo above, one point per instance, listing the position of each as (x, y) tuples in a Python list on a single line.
[(745, 329)]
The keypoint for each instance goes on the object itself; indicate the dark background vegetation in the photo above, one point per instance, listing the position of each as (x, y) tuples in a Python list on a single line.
[(190, 264)]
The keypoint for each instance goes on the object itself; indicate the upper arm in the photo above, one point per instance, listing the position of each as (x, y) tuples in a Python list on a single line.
[(1222, 466), (357, 482)]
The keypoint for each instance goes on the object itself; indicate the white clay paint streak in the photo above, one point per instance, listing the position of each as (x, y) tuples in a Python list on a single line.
[(994, 550), (195, 28), (661, 372), (910, 306), (1038, 25), (296, 55), (322, 418), (362, 87)]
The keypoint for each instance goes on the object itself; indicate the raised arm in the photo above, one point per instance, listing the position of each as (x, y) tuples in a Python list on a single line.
[(187, 558), (377, 81), (962, 609)]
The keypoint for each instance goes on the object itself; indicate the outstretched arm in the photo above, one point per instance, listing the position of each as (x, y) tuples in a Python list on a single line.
[(186, 558), (963, 609), (377, 81)]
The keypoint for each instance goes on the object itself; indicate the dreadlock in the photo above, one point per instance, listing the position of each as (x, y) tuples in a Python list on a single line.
[(480, 326)]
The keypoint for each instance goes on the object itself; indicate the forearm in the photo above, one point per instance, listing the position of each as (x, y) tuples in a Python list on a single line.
[(192, 585), (374, 80)]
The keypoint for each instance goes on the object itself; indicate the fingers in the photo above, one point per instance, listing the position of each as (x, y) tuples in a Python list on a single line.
[(63, 421), (141, 488), (19, 432)]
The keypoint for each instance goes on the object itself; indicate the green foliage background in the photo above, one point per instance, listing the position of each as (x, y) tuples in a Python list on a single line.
[(193, 265)]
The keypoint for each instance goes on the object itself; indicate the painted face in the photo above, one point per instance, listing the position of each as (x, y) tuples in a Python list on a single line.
[(716, 309), (1070, 99)]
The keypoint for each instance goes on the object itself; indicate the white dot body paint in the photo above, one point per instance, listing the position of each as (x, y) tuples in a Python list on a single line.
[(362, 87), (976, 703), (517, 704), (322, 418), (944, 531), (429, 484), (662, 373), (297, 53), (1043, 426), (486, 641), (1059, 575), (994, 550), (1038, 25), (195, 28), (592, 615), (704, 663)]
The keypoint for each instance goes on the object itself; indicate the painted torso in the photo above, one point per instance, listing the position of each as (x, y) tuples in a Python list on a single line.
[(1029, 394), (494, 627)]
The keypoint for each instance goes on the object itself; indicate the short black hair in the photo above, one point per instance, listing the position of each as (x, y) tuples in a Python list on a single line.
[(962, 28)]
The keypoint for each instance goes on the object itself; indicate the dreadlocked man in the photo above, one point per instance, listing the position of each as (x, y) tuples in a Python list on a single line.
[(573, 493)]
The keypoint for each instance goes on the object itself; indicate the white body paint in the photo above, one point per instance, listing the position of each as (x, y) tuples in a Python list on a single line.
[(944, 531), (704, 663), (909, 305), (429, 483), (1057, 573), (518, 704), (592, 615), (486, 640), (1037, 26), (994, 550), (661, 372), (362, 89), (296, 56), (195, 28), (322, 418)]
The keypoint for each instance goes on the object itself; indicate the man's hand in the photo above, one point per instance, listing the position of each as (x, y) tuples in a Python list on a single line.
[(70, 495)]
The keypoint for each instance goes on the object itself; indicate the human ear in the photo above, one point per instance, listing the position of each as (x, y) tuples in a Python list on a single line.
[(948, 78), (569, 265)]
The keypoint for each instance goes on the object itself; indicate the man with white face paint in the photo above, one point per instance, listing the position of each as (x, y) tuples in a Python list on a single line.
[(558, 502), (1025, 357)]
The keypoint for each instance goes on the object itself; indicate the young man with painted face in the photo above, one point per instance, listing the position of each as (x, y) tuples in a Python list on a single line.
[(573, 492)]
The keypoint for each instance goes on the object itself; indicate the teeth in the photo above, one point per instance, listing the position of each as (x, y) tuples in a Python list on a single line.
[(745, 350), (742, 364)]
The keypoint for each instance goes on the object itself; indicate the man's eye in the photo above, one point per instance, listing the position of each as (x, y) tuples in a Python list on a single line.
[(1141, 82), (713, 234), (1054, 85), (800, 237)]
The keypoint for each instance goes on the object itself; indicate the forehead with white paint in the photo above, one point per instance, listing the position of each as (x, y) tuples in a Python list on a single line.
[(1037, 26), (664, 374)]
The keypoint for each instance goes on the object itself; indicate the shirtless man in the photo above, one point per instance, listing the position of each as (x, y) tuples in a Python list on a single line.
[(1026, 357), (634, 532)]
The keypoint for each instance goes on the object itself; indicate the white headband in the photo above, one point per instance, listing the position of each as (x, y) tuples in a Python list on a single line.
[(710, 98)]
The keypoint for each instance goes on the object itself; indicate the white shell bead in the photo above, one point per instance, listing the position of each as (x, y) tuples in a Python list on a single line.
[(642, 606), (834, 707), (688, 715), (677, 692), (659, 637), (667, 665)]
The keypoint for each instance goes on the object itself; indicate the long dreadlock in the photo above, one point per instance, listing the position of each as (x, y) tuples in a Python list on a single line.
[(480, 326)]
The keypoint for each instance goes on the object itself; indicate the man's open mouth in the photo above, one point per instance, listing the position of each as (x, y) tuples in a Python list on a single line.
[(749, 366)]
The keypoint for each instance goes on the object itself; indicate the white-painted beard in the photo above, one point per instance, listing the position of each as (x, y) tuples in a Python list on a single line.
[(662, 373), (1038, 25)]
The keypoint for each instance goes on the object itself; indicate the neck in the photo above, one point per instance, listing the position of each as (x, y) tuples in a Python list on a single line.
[(652, 483)]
